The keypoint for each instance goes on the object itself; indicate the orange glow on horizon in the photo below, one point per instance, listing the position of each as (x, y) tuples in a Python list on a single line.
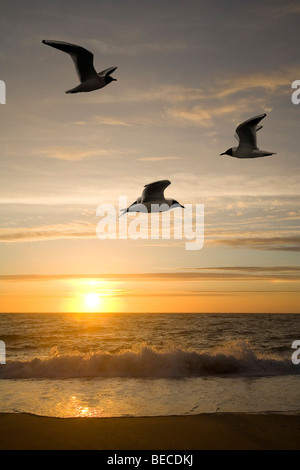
[(138, 295)]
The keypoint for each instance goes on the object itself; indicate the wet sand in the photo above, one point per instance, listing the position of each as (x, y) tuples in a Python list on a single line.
[(229, 431)]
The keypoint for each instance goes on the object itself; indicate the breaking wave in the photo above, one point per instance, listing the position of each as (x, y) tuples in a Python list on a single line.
[(233, 359)]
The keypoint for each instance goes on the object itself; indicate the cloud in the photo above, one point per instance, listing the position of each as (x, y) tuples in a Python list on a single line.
[(51, 232), (291, 243), (158, 159), (106, 120), (69, 153), (110, 121), (134, 49), (73, 154), (74, 230), (202, 107), (233, 94), (217, 273), (203, 115), (249, 269), (270, 82), (280, 11)]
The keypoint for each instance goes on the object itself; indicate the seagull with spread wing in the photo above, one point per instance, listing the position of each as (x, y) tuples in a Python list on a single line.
[(83, 59), (153, 199), (246, 134)]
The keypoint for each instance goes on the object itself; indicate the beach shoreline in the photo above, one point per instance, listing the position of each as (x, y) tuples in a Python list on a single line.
[(212, 431)]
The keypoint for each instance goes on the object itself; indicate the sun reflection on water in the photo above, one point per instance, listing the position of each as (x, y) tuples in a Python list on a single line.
[(78, 410)]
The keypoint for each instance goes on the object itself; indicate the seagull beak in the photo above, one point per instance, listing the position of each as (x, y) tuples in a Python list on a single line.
[(224, 153), (182, 206)]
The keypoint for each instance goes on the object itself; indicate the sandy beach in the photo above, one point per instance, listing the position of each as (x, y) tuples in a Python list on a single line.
[(227, 431)]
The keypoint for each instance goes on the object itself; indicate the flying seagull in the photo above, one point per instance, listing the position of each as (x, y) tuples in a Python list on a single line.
[(90, 80), (153, 199), (246, 134)]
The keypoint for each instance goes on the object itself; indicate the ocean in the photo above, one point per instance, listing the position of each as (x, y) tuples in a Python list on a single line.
[(105, 365)]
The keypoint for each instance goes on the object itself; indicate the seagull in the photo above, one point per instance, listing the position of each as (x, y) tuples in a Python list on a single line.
[(90, 80), (153, 199), (246, 134)]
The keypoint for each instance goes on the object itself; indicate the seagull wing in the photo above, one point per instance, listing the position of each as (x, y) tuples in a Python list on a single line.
[(258, 128), (82, 58), (154, 191), (247, 131), (108, 71)]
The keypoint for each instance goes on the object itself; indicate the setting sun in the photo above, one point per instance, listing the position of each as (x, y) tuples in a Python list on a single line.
[(92, 300)]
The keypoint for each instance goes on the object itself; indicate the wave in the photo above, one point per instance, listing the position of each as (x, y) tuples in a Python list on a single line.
[(234, 359)]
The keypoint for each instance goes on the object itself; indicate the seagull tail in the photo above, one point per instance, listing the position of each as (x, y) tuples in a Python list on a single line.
[(124, 212), (73, 90), (76, 89), (266, 153)]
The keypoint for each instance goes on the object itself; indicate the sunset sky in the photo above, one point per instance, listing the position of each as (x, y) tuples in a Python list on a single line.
[(189, 71)]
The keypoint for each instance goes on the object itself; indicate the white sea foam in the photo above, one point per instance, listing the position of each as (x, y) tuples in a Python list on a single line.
[(236, 358)]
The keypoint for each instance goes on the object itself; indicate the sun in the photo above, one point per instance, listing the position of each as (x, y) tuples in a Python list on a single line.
[(92, 300)]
